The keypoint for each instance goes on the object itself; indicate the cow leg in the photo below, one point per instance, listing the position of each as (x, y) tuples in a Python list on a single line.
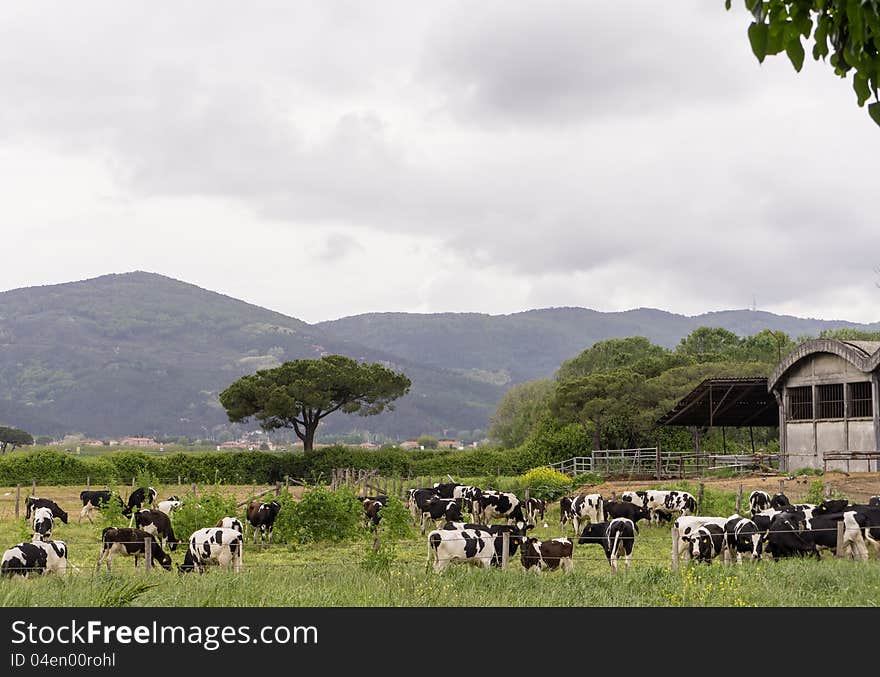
[(424, 522)]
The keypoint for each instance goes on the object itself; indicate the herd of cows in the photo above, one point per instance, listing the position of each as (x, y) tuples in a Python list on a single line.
[(218, 545), (775, 526)]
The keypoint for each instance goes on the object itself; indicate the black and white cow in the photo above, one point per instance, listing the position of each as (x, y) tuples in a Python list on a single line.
[(95, 500), (156, 522), (417, 501), (586, 507), (627, 509), (552, 554), (37, 557), (230, 523), (788, 536), (446, 489), (33, 503), (758, 501), (441, 509), (261, 517), (169, 505), (707, 542), (535, 508), (823, 530), (137, 498), (633, 497), (474, 546), (43, 523), (829, 506), (687, 525), (742, 536), (779, 500), (495, 504), (470, 496), (213, 546), (372, 511), (663, 503), (496, 531), (130, 542), (616, 537)]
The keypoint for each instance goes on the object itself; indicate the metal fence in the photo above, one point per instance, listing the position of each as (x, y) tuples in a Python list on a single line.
[(652, 463)]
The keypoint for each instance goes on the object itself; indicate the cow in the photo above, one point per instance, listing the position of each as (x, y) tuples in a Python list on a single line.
[(156, 522), (779, 500), (95, 500), (417, 501), (535, 507), (372, 511), (474, 546), (616, 537), (446, 489), (43, 523), (495, 531), (758, 501), (37, 557), (33, 502), (874, 501), (688, 524), (830, 506), (581, 508), (553, 554), (262, 518), (633, 497), (137, 498), (743, 535), (471, 497), (126, 541), (169, 505), (631, 511), (707, 542), (823, 529), (788, 536), (213, 546), (230, 523), (437, 509), (672, 502), (493, 504)]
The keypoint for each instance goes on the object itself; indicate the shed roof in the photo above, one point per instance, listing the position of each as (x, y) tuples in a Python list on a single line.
[(730, 402), (864, 355)]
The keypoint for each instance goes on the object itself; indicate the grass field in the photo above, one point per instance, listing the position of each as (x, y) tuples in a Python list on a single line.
[(336, 575)]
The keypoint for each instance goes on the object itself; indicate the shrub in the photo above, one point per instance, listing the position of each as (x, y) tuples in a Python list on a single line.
[(545, 483), (321, 515), (199, 512)]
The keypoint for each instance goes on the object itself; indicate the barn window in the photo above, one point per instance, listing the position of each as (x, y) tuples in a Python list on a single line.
[(800, 403), (860, 400), (830, 400)]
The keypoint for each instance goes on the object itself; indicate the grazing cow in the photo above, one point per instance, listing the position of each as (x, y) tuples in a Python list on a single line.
[(471, 497), (157, 523), (33, 502), (493, 504), (874, 501), (535, 507), (475, 546), (742, 536), (688, 524), (495, 531), (231, 523), (262, 518), (381, 499), (554, 554), (788, 536), (417, 501), (663, 503), (616, 537), (631, 511), (213, 546), (758, 501), (823, 529), (779, 500), (37, 557), (95, 500), (829, 506), (372, 511), (441, 509), (585, 507), (169, 505), (707, 542), (137, 498), (633, 497), (127, 542), (43, 523)]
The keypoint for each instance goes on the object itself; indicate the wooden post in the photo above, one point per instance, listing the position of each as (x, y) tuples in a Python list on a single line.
[(179, 484), (739, 498), (781, 486), (659, 460), (505, 549), (148, 551), (132, 483), (33, 487), (17, 498), (675, 548), (841, 550), (700, 500), (194, 489), (287, 483), (827, 490), (88, 483), (277, 488)]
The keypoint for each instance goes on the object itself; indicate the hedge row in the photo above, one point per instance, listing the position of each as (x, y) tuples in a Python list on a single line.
[(246, 467)]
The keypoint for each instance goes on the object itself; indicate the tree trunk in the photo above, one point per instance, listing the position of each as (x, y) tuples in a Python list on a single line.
[(308, 437)]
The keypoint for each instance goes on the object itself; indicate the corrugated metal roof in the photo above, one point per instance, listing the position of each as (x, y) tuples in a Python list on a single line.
[(730, 402)]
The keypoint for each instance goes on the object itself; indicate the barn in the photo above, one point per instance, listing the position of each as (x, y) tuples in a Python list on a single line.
[(827, 395)]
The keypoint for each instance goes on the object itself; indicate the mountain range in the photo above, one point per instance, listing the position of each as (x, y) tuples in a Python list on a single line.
[(143, 354)]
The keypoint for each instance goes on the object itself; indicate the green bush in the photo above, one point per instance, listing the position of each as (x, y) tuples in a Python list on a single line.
[(321, 515), (200, 512), (545, 483)]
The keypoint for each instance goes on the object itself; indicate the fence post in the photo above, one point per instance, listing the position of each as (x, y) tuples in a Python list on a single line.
[(178, 482), (841, 548), (277, 489), (194, 489), (675, 548), (88, 483), (700, 500), (505, 549), (781, 486), (827, 490), (33, 487), (739, 498), (148, 554), (659, 461), (17, 498), (287, 482), (132, 483)]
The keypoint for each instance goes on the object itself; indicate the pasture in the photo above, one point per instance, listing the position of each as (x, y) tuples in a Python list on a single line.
[(343, 574)]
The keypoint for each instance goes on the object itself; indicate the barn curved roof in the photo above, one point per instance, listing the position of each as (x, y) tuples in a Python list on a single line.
[(864, 355)]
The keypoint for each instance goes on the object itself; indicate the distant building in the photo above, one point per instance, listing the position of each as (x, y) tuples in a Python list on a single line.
[(92, 443), (138, 442), (235, 445), (410, 444), (449, 444), (368, 445)]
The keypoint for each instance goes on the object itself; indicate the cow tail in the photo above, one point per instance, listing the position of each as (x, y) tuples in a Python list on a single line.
[(616, 541)]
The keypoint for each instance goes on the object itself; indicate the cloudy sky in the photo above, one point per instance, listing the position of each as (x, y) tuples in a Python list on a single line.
[(338, 157)]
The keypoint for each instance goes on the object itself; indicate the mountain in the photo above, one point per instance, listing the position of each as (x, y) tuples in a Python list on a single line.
[(143, 354), (140, 353), (522, 346)]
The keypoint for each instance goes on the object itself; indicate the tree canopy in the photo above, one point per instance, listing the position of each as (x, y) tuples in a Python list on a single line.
[(14, 436), (300, 394), (847, 32)]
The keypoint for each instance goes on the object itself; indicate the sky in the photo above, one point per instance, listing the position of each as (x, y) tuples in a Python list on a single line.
[(332, 158)]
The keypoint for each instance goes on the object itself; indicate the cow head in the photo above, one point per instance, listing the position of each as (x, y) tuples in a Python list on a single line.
[(188, 563), (161, 556), (701, 546)]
